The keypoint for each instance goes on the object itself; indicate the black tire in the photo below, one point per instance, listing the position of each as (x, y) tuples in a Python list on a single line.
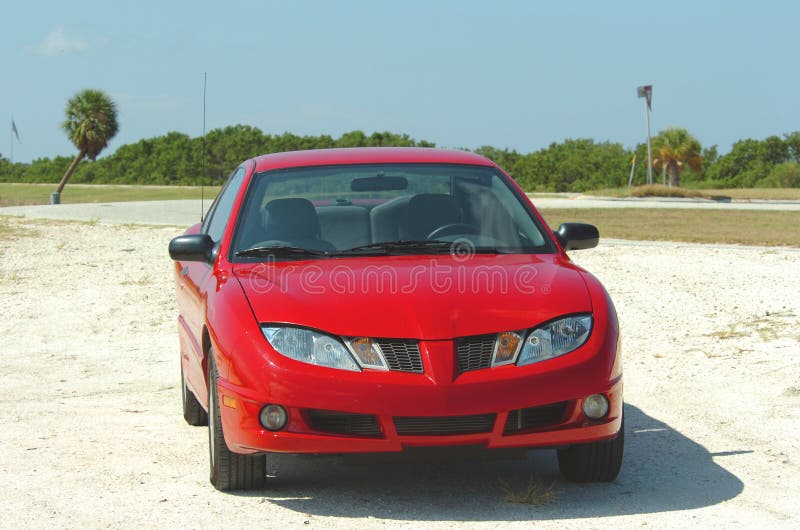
[(229, 470), (193, 411), (593, 462)]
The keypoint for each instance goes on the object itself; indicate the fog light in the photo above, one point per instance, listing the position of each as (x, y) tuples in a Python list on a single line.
[(595, 406), (273, 417)]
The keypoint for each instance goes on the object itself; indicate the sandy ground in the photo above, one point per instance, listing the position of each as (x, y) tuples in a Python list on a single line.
[(91, 433)]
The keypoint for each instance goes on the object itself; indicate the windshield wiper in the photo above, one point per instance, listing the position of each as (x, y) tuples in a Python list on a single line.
[(381, 249), (282, 252), (389, 247)]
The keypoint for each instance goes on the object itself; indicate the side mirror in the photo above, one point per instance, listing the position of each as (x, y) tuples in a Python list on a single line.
[(577, 236), (196, 247)]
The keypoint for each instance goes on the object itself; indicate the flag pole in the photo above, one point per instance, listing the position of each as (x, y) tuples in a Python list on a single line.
[(646, 92), (203, 147)]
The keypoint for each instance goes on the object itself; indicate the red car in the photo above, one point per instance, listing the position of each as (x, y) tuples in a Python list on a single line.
[(371, 300)]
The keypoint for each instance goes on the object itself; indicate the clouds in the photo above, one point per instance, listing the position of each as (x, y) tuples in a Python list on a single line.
[(58, 42)]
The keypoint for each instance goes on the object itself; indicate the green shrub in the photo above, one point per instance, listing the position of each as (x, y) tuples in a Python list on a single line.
[(659, 190), (786, 175)]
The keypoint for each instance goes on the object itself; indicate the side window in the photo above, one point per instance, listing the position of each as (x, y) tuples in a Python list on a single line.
[(222, 209)]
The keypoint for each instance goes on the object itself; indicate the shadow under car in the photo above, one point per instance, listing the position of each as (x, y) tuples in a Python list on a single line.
[(663, 470)]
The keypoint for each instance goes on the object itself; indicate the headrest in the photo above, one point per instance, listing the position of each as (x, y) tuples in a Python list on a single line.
[(428, 211), (290, 219)]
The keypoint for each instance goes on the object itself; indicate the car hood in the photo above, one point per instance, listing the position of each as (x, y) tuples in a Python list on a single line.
[(421, 297)]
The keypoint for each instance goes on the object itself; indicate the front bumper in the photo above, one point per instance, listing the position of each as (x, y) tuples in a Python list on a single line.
[(438, 393)]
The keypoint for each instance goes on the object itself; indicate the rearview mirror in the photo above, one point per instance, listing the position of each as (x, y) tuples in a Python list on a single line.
[(379, 183), (195, 247), (577, 236)]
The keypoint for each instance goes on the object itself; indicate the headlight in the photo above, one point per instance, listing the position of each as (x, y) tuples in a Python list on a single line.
[(554, 339), (310, 347)]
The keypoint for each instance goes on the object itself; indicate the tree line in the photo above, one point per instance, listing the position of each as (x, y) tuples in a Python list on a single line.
[(572, 165)]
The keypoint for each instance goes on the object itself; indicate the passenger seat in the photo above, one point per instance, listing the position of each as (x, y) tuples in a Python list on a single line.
[(293, 220)]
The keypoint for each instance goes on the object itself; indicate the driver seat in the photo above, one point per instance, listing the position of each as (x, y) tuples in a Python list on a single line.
[(293, 220), (426, 212)]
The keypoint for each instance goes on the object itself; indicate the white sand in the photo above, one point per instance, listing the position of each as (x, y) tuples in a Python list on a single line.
[(91, 433)]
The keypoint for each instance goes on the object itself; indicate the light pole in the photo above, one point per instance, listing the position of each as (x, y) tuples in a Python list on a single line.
[(646, 92)]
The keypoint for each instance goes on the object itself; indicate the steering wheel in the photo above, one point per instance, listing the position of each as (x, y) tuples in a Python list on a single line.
[(453, 228)]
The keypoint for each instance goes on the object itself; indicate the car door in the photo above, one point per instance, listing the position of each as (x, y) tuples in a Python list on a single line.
[(198, 280)]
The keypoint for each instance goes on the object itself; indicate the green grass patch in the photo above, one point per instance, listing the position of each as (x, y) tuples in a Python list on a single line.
[(13, 194), (740, 194), (11, 229), (769, 327), (731, 332), (13, 278), (743, 227)]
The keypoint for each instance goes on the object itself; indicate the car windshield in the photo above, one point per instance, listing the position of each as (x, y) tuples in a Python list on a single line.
[(384, 208)]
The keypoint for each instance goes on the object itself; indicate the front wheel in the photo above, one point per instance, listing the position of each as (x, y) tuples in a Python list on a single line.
[(593, 462), (229, 470)]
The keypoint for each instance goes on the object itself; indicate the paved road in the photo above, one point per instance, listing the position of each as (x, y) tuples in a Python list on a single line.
[(177, 213), (187, 212)]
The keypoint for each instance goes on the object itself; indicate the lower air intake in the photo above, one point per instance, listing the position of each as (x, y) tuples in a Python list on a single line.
[(443, 425), (344, 423)]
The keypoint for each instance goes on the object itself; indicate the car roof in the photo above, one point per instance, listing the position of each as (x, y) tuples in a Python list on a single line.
[(368, 155)]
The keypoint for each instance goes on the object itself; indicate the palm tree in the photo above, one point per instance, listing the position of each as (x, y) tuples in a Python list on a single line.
[(675, 149), (91, 123)]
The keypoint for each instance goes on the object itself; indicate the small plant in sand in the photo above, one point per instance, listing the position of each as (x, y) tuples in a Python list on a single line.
[(142, 281), (536, 493)]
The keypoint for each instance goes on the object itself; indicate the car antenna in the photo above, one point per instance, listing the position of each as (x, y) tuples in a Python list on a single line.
[(203, 146)]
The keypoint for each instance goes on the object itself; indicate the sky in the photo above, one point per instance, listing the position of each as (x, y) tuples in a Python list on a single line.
[(511, 74)]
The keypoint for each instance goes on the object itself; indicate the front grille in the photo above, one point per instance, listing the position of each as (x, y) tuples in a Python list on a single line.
[(532, 417), (438, 425), (401, 355), (345, 423), (475, 352)]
